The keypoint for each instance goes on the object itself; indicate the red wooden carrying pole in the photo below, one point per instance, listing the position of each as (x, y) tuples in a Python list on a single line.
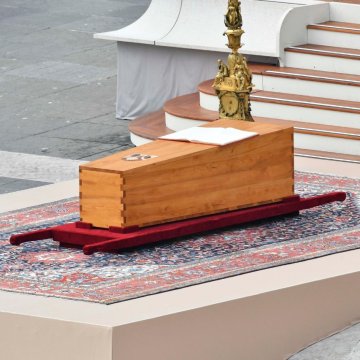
[(94, 240)]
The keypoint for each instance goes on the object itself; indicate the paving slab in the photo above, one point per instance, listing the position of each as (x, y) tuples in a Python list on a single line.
[(57, 109), (8, 11), (96, 23), (18, 90), (59, 42), (58, 84), (37, 168), (344, 345), (107, 153), (107, 57), (62, 72), (102, 133), (9, 185), (108, 119), (62, 148), (38, 21)]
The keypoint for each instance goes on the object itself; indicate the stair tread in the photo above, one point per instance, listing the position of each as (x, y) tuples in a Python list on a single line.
[(257, 68), (318, 129), (324, 50), (193, 109), (307, 101), (314, 75), (337, 26), (187, 106), (292, 99), (296, 73), (152, 126), (327, 155)]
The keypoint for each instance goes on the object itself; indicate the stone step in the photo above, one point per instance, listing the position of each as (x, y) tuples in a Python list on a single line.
[(148, 127), (334, 32), (312, 109), (337, 26), (306, 109), (302, 82), (345, 11), (334, 139), (323, 58)]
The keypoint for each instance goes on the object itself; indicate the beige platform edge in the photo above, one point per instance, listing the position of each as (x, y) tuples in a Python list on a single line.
[(264, 315)]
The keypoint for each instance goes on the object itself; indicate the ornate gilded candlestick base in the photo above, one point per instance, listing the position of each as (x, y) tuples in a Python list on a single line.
[(233, 82)]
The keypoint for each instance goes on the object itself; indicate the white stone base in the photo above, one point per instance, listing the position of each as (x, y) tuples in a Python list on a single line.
[(268, 314)]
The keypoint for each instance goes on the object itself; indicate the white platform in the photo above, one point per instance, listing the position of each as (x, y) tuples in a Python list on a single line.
[(284, 309), (198, 24), (143, 30), (190, 34)]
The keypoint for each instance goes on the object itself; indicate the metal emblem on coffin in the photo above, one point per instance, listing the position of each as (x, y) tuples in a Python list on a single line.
[(139, 157)]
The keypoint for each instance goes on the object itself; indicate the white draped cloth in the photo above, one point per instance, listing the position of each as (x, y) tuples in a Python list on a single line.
[(150, 75)]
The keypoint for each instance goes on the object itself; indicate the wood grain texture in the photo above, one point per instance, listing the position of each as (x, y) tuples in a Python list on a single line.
[(327, 155), (101, 200), (189, 180)]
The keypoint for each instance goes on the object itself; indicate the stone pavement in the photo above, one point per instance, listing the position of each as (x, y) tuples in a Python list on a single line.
[(57, 87), (344, 345)]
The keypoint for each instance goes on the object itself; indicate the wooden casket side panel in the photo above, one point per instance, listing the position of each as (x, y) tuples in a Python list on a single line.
[(101, 198), (257, 170)]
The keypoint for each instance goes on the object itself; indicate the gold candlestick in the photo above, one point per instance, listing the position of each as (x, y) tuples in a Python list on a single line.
[(233, 82)]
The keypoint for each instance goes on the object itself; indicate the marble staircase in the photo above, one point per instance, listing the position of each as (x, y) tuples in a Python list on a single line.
[(317, 92)]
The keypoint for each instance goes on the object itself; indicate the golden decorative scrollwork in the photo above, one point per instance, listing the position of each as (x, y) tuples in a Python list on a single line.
[(233, 82)]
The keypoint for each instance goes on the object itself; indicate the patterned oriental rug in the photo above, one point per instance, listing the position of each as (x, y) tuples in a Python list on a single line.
[(42, 268)]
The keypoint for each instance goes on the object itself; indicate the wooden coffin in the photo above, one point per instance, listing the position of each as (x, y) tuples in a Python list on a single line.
[(187, 180)]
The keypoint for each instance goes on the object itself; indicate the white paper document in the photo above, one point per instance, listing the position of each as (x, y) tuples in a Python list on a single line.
[(212, 136)]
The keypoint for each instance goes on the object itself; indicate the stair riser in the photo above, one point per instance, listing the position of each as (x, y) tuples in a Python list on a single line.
[(322, 63), (315, 88), (257, 81), (296, 113), (176, 123), (325, 143), (304, 114), (209, 102), (345, 12), (332, 38), (138, 140)]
